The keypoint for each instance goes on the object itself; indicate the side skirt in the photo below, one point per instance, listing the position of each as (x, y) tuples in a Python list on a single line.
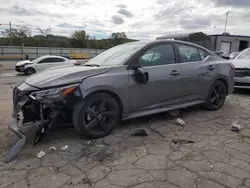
[(160, 110)]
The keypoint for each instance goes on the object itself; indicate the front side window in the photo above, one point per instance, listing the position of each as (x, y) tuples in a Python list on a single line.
[(188, 53), (159, 55)]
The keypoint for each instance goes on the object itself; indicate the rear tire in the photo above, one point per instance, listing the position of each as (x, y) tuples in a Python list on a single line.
[(96, 116), (216, 96), (30, 71)]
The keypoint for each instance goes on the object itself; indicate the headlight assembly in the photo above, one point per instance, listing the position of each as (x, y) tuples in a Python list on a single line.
[(54, 92)]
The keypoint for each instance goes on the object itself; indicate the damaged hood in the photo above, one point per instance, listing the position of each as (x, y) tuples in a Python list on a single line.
[(64, 75), (23, 62), (241, 63)]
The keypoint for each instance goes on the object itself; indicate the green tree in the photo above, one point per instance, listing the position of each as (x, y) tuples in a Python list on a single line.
[(79, 39), (118, 38)]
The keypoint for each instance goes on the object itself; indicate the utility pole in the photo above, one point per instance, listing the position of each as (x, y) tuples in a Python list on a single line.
[(226, 22), (10, 35)]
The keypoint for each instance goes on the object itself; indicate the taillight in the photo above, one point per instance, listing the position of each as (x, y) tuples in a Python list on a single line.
[(232, 66)]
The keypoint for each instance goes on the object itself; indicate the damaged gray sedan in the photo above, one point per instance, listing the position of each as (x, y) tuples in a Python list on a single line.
[(127, 81)]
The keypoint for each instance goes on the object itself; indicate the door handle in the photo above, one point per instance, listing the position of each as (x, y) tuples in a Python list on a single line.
[(174, 73), (210, 67)]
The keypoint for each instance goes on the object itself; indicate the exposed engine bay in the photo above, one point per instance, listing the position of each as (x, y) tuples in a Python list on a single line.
[(42, 108)]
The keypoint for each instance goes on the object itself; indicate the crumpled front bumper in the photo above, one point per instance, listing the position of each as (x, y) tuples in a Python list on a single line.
[(13, 125)]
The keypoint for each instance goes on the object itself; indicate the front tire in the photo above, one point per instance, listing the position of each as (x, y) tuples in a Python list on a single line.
[(30, 71), (216, 96), (96, 116)]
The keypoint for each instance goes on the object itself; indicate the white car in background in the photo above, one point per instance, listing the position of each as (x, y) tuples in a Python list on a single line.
[(30, 67), (242, 69)]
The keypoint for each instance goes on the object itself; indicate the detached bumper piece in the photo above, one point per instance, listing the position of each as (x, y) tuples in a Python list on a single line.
[(14, 127), (43, 122)]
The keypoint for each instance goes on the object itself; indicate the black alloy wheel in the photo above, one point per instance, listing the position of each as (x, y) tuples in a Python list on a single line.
[(96, 116), (30, 71), (217, 95)]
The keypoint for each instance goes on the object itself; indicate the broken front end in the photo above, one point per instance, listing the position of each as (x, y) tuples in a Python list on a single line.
[(41, 107)]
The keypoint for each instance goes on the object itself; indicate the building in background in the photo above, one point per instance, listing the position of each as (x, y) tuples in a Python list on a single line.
[(225, 42), (229, 43)]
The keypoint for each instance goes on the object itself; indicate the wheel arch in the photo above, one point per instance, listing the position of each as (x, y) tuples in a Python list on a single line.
[(116, 96), (223, 79)]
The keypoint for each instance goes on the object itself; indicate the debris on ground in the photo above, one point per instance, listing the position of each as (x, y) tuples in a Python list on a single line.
[(179, 121), (50, 168), (64, 147), (140, 132), (211, 166), (41, 154), (236, 127), (182, 141), (89, 142), (52, 148)]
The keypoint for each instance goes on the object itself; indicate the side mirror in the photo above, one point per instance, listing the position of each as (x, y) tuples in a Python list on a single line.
[(140, 75)]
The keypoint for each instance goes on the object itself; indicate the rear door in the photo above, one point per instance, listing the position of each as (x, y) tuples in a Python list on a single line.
[(197, 72), (164, 85), (49, 62)]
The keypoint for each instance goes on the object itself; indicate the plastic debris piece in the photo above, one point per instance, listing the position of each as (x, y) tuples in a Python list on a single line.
[(40, 154), (50, 168), (211, 166), (182, 141), (64, 147), (236, 127), (52, 148), (140, 132), (179, 121), (89, 142)]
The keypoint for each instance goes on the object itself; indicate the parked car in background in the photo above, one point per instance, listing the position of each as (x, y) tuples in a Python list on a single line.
[(242, 69), (221, 54), (127, 81), (30, 67), (233, 55)]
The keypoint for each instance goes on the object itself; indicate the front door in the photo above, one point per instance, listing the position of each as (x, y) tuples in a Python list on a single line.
[(49, 62), (164, 85)]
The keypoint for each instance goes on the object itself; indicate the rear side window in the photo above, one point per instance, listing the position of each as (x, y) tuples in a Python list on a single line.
[(203, 54), (188, 53)]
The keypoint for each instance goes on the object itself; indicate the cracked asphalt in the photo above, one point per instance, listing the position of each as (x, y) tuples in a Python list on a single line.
[(218, 158)]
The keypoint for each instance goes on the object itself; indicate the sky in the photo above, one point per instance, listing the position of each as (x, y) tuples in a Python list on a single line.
[(140, 19)]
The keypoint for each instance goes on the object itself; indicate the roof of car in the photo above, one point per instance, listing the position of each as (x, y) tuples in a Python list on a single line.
[(46, 56), (196, 35), (158, 41)]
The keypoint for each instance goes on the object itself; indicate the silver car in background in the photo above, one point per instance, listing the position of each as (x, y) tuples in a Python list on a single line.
[(127, 81), (242, 69)]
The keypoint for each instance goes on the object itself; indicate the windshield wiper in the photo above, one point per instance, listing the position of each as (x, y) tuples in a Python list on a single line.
[(92, 65)]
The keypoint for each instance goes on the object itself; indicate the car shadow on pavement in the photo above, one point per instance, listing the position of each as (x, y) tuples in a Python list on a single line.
[(242, 91)]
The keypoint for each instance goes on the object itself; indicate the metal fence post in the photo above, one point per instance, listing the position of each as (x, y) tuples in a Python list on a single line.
[(22, 49), (36, 52)]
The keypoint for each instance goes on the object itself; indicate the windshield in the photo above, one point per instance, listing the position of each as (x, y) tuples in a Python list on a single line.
[(115, 56), (37, 59), (245, 54)]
